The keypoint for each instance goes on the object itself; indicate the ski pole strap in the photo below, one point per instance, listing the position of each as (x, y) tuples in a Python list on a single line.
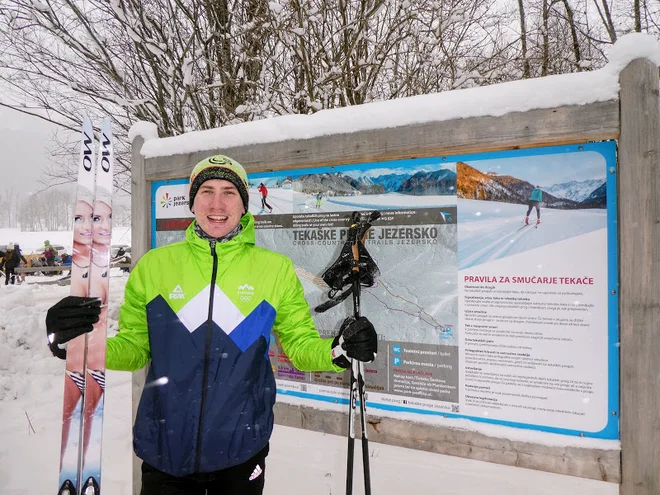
[(339, 356)]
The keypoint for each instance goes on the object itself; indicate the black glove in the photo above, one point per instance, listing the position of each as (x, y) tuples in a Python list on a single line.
[(357, 339), (69, 318)]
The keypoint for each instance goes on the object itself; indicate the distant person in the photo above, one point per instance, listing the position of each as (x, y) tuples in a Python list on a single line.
[(534, 202), (319, 197), (50, 254), (66, 259), (10, 261), (264, 194), (122, 257), (23, 263)]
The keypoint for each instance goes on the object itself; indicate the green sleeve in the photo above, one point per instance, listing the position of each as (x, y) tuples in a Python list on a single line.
[(295, 328), (129, 349)]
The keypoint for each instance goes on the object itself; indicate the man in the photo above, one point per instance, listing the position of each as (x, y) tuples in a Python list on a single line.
[(202, 311), (534, 202)]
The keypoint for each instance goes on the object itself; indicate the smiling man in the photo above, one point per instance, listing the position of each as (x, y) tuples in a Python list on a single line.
[(202, 311)]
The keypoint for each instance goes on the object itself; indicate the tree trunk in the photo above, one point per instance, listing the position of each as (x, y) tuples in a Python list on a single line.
[(523, 40)]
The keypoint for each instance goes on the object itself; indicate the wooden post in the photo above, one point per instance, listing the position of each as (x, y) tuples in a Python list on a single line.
[(140, 244), (639, 262)]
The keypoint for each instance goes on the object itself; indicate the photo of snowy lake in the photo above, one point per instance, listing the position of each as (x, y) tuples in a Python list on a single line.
[(496, 202)]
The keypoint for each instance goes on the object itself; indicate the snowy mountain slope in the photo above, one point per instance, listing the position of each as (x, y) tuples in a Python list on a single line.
[(474, 184), (391, 182), (306, 203), (574, 189), (442, 182), (280, 199), (489, 230), (598, 197), (334, 183)]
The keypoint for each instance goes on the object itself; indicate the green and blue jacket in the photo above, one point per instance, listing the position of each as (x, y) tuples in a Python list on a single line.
[(202, 312)]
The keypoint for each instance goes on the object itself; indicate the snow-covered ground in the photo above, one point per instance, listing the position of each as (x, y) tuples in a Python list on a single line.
[(31, 386), (34, 241), (490, 230), (306, 203), (281, 199), (287, 201)]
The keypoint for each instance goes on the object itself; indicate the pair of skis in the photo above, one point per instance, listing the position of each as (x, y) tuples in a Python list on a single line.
[(354, 268), (84, 387)]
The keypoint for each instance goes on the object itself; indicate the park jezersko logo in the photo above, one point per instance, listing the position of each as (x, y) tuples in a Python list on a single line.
[(169, 201), (166, 201)]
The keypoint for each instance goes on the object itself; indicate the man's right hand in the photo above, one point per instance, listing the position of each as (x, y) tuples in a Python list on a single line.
[(69, 318)]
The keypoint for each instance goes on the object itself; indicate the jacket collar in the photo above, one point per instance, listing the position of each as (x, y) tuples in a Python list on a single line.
[(202, 247)]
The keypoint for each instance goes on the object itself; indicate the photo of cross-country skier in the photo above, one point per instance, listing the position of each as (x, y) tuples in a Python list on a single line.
[(534, 202), (426, 183), (511, 205), (270, 194)]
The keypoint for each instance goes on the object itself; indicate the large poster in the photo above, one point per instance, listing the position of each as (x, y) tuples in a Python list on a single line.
[(497, 299)]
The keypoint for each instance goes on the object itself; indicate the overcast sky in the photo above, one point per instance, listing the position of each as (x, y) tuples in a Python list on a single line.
[(24, 141)]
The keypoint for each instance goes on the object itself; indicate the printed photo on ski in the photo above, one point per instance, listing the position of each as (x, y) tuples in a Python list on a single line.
[(82, 424)]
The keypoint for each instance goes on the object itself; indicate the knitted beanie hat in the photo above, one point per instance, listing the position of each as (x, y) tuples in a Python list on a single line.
[(219, 167)]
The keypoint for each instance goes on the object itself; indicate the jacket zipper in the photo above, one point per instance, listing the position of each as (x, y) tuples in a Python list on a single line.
[(207, 357)]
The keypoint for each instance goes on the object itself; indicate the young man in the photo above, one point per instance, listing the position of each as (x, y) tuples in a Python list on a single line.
[(202, 311)]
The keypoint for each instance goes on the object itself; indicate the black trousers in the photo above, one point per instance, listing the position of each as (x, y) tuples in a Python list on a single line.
[(231, 481), (534, 204), (9, 274)]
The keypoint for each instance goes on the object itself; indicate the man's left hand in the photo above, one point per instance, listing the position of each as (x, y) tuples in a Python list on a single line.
[(357, 339)]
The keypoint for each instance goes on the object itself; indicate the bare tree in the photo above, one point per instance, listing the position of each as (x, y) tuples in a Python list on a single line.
[(523, 40), (182, 65), (606, 17), (9, 207), (198, 64), (50, 210)]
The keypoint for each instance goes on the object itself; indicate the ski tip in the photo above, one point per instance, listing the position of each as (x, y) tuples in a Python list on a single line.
[(67, 488), (91, 487)]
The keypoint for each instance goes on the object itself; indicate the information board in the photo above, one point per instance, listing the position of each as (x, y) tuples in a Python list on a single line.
[(497, 299)]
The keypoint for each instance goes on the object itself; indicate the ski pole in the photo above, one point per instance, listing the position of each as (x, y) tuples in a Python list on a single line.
[(357, 385), (351, 431), (355, 282)]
